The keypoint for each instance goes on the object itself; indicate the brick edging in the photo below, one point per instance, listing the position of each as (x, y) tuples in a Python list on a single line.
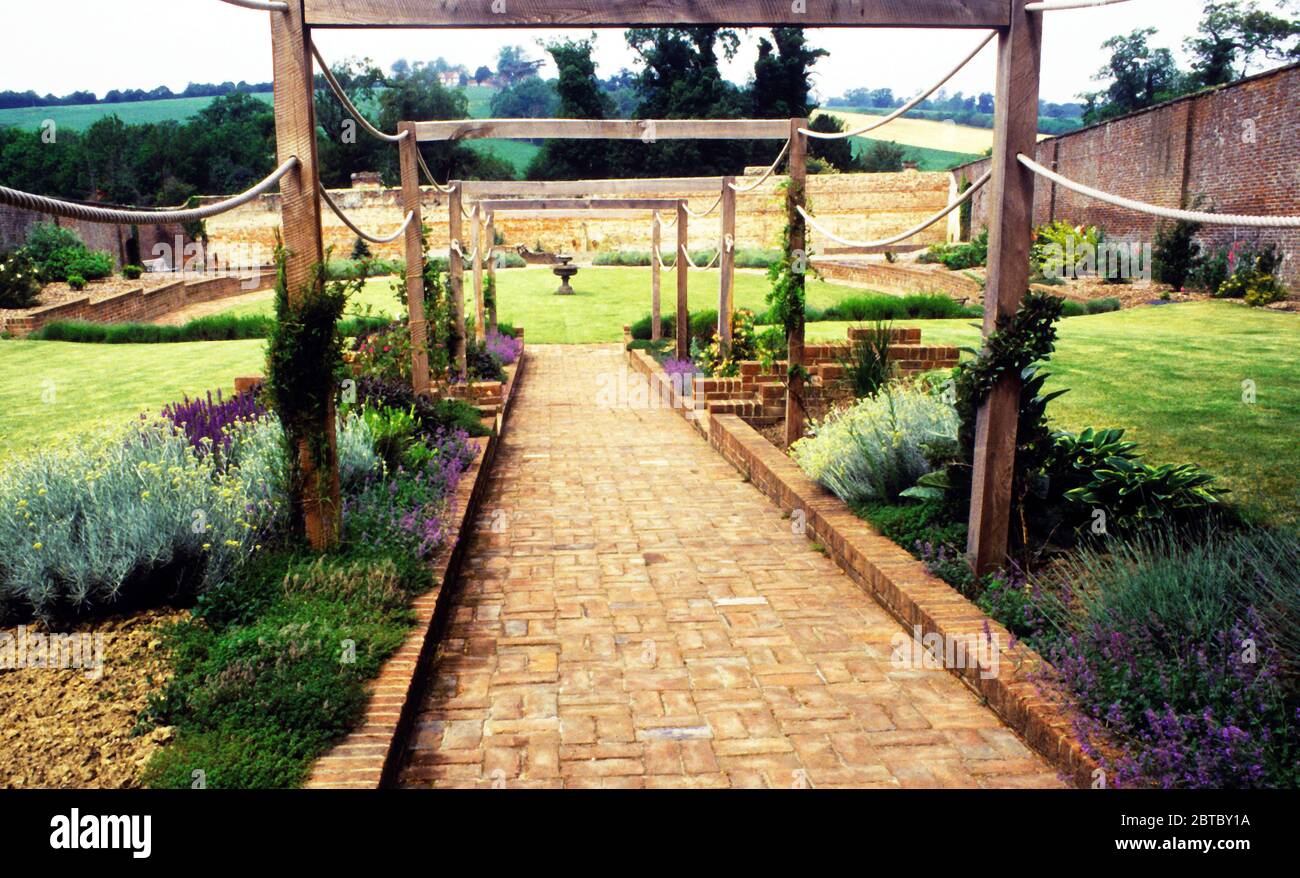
[(897, 581), (370, 757)]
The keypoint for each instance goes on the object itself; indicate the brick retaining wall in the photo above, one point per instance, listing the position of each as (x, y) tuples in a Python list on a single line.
[(141, 305)]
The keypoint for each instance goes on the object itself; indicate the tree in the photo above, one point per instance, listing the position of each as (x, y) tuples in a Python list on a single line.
[(882, 158), (513, 65), (418, 96), (483, 74), (838, 153), (1139, 77), (783, 79), (533, 98), (580, 96), (1233, 35), (343, 147), (680, 79)]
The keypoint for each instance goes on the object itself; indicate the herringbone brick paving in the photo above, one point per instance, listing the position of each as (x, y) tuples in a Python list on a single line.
[(633, 614)]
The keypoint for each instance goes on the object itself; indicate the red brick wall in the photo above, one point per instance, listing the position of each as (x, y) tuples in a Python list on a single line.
[(1235, 147), (15, 224), (140, 306)]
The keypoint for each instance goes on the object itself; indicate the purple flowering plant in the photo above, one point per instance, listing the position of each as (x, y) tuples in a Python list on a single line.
[(409, 509), (206, 421)]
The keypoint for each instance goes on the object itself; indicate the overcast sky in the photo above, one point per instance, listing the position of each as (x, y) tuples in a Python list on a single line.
[(61, 46)]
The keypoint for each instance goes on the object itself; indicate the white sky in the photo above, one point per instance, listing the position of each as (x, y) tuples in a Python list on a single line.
[(61, 46)]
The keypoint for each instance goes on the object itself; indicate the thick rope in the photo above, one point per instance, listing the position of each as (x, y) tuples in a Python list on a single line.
[(261, 5), (347, 103), (769, 172), (1191, 216), (663, 224), (338, 211), (456, 248), (428, 175), (840, 135), (1068, 4), (691, 263), (962, 199), (131, 216), (705, 213)]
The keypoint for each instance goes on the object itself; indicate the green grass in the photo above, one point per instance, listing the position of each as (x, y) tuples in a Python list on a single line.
[(517, 152), (1172, 376), (609, 298), (49, 387), (78, 117), (926, 158)]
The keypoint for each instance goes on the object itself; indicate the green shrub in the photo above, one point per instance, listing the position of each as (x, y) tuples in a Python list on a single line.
[(20, 285), (76, 282), (509, 259), (754, 258), (215, 327), (1134, 495), (1264, 290), (876, 449), (68, 262), (1176, 254), (870, 308), (956, 257), (915, 525), (274, 670), (132, 272), (44, 239), (867, 368), (624, 258)]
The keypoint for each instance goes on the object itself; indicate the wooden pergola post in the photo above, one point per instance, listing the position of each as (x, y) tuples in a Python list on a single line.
[(300, 218), (727, 264), (795, 198), (683, 286), (419, 326), (491, 236), (656, 280), (476, 240), (456, 279), (1010, 232)]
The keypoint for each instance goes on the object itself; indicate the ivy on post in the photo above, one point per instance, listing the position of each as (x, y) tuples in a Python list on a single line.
[(456, 280), (796, 254), (417, 322), (1010, 231), (305, 337)]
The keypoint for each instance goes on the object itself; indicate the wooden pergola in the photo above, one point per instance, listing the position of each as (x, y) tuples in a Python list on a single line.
[(1015, 131)]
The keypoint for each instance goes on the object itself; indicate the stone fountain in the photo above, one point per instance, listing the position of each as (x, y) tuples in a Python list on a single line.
[(565, 271)]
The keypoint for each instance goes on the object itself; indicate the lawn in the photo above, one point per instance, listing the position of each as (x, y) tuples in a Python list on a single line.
[(606, 300), (49, 387), (1172, 375), (78, 117)]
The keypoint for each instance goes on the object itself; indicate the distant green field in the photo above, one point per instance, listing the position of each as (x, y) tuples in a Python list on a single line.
[(927, 159), (81, 116)]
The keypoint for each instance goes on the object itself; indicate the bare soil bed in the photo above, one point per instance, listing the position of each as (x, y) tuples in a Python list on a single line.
[(65, 728)]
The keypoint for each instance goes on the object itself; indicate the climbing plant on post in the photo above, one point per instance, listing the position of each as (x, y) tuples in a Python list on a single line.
[(304, 339), (796, 270)]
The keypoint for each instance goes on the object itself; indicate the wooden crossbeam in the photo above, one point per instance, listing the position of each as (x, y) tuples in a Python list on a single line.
[(649, 130), (583, 205), (624, 13)]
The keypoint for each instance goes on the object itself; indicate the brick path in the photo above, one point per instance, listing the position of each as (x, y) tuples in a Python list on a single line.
[(641, 616)]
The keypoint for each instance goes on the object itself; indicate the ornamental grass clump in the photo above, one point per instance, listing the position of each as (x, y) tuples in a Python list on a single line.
[(126, 517), (877, 448)]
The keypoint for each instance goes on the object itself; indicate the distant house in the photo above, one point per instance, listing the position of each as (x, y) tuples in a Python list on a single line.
[(450, 78)]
